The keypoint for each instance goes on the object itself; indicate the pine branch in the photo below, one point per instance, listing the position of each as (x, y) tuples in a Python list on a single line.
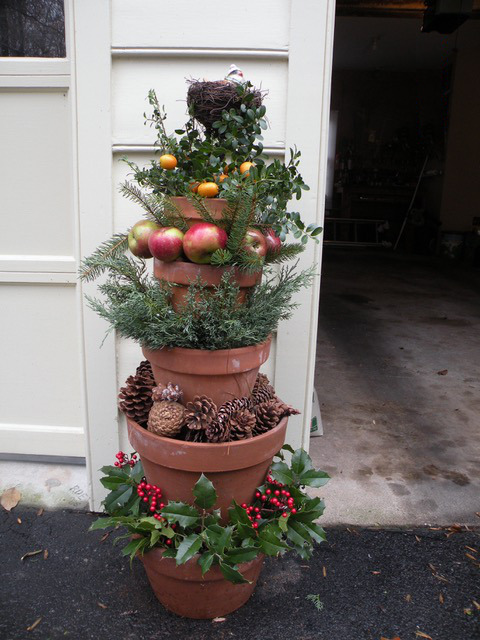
[(97, 263), (249, 262), (243, 218), (286, 252), (173, 215), (221, 257), (201, 208), (148, 202)]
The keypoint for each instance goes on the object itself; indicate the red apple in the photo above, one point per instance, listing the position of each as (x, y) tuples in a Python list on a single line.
[(138, 238), (273, 242), (166, 244), (203, 239), (255, 242)]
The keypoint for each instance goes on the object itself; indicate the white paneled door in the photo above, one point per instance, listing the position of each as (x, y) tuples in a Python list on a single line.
[(64, 125)]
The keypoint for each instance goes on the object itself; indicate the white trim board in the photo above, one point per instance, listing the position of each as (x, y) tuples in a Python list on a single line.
[(39, 439)]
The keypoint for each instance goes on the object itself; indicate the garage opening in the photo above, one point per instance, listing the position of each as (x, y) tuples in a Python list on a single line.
[(398, 355)]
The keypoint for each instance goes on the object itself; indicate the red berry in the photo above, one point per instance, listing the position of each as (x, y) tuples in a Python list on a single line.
[(294, 511), (264, 498), (145, 499), (161, 505), (117, 464), (257, 509), (277, 492), (148, 487), (244, 505), (258, 494), (258, 516), (255, 525), (169, 542), (268, 491), (141, 493), (152, 509), (284, 515)]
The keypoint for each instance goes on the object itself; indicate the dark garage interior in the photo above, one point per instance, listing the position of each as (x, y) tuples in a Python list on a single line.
[(398, 367)]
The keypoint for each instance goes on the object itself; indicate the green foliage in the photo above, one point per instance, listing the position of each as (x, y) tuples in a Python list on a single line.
[(100, 260), (314, 598), (185, 531), (139, 308)]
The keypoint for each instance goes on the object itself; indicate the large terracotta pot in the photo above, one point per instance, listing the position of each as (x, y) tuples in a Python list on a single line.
[(182, 274), (184, 591), (222, 374), (235, 468), (214, 205)]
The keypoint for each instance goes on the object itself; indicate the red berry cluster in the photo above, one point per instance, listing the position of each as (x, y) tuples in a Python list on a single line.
[(123, 461), (273, 499), (152, 496)]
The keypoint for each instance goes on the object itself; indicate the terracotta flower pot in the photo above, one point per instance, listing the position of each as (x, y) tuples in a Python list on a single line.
[(235, 468), (184, 591), (183, 274), (222, 374), (214, 205)]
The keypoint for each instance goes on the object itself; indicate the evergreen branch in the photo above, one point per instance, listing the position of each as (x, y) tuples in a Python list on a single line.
[(173, 216), (148, 202), (286, 252), (249, 262), (201, 208), (221, 257), (244, 216), (97, 263)]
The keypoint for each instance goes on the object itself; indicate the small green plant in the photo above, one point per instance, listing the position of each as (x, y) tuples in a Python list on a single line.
[(270, 525), (314, 598)]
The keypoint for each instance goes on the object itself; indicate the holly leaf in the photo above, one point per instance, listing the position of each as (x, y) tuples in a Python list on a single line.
[(301, 462), (204, 492), (314, 530), (231, 574), (188, 548), (205, 561), (184, 514), (242, 554), (270, 543), (101, 523), (281, 472), (218, 537), (313, 478)]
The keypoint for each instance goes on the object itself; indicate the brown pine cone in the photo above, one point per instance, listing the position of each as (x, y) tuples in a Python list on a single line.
[(145, 369), (200, 414), (262, 390), (136, 398), (287, 409), (240, 425), (216, 431), (166, 418), (232, 406), (268, 415)]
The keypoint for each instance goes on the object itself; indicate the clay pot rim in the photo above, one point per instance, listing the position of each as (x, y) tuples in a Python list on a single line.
[(183, 273), (220, 352), (185, 199), (198, 446)]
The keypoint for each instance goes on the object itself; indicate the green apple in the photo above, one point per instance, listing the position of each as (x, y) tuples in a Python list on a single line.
[(138, 238)]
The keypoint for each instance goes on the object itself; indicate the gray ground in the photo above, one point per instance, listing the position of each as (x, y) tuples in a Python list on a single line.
[(401, 441), (367, 584)]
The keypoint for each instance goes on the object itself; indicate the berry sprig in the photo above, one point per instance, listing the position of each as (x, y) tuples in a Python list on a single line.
[(152, 496), (123, 460), (271, 499)]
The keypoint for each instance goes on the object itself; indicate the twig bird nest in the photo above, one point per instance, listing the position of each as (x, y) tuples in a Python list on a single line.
[(207, 100)]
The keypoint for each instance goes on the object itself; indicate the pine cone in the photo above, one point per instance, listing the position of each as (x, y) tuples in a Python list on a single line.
[(268, 415), (262, 390), (287, 409), (170, 392), (200, 414), (216, 431), (145, 369), (136, 397), (240, 425), (166, 418), (232, 406)]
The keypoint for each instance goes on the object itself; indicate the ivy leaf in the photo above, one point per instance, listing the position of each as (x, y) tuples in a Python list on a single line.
[(188, 548), (184, 514), (231, 574), (281, 472), (205, 561), (204, 492)]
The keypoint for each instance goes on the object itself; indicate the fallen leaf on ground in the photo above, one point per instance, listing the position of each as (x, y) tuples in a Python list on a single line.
[(435, 574), (443, 372), (324, 571), (475, 604), (455, 528), (408, 597), (101, 605), (31, 553), (418, 539), (470, 557), (105, 536), (35, 624), (441, 598), (10, 498), (219, 620), (467, 612), (40, 512), (45, 554), (471, 549), (19, 520), (420, 634)]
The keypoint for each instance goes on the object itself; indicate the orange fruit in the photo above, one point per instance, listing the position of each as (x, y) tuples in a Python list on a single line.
[(194, 187), (207, 189), (245, 166), (222, 177), (167, 161)]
